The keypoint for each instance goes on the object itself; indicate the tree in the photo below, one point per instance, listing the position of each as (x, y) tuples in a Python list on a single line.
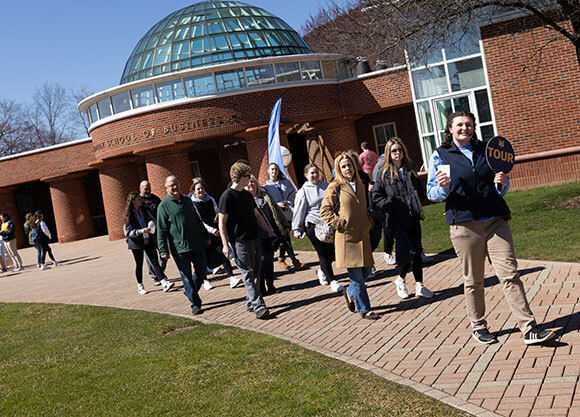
[(16, 133), (383, 28), (82, 119), (51, 115)]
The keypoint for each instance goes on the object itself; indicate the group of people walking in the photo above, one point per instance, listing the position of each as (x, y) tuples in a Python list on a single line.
[(37, 235), (249, 223)]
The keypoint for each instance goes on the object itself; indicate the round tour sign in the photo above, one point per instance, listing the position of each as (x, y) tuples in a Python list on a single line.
[(499, 154)]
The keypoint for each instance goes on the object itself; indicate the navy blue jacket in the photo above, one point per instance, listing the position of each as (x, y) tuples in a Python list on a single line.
[(10, 234), (472, 193)]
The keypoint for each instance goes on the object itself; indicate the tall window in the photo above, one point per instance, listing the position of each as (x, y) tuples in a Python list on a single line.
[(382, 135)]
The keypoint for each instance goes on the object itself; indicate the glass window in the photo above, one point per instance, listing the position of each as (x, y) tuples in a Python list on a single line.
[(121, 102), (443, 109), (311, 70), (258, 39), (219, 43), (263, 74), (162, 55), (486, 132), (239, 41), (200, 46), (93, 113), (104, 108), (142, 96), (466, 74), (147, 59), (287, 71), (382, 135), (482, 101), (463, 43), (429, 82), (425, 119), (199, 85), (429, 146), (228, 80), (180, 51), (169, 90)]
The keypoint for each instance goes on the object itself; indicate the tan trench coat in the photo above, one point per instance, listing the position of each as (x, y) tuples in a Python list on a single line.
[(352, 241)]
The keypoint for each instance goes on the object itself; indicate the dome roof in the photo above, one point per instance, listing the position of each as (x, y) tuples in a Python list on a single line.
[(209, 33)]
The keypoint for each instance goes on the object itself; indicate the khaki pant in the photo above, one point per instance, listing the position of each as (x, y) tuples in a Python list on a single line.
[(472, 241), (13, 253)]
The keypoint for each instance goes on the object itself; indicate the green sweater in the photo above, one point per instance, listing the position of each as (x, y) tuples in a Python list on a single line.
[(179, 228)]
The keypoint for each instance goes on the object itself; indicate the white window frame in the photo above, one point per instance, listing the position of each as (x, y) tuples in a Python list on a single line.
[(382, 125)]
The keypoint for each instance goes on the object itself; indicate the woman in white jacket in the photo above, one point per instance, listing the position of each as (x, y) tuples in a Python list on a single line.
[(306, 214), (43, 236)]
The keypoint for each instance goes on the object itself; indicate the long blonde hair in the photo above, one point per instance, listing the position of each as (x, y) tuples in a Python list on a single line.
[(339, 178), (389, 165)]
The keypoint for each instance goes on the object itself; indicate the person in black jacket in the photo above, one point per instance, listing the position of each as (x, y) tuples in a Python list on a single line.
[(397, 194), (139, 231)]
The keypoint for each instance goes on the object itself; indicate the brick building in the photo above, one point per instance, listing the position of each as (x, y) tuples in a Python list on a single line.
[(198, 89)]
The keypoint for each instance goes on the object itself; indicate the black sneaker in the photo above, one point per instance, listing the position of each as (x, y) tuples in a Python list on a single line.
[(262, 313), (484, 336), (537, 335)]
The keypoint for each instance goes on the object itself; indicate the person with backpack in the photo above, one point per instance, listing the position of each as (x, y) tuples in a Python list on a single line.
[(29, 230), (9, 237), (41, 236)]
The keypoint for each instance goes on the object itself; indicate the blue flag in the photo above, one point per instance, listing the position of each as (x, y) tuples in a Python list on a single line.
[(274, 153)]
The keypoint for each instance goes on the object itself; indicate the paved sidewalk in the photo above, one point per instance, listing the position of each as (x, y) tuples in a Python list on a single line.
[(425, 344)]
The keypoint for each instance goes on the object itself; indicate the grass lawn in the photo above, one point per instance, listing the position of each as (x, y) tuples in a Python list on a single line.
[(541, 231), (59, 360)]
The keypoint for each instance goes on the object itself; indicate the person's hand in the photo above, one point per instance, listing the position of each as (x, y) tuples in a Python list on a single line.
[(371, 187), (283, 204), (287, 231), (226, 250), (216, 232), (442, 179), (500, 179), (146, 230), (165, 257)]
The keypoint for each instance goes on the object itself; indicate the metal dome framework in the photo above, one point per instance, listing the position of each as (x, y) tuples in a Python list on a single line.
[(209, 33)]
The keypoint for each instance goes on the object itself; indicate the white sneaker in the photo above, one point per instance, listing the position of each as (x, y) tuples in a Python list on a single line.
[(141, 289), (17, 269), (422, 291), (207, 285), (389, 259), (321, 277), (401, 288), (218, 270), (55, 263), (44, 267), (167, 285), (234, 282), (426, 259), (336, 287)]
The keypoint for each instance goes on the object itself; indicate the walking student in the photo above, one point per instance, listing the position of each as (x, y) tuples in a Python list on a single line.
[(352, 224), (397, 194), (478, 216), (41, 237), (9, 237), (306, 213), (238, 224), (180, 232), (141, 240)]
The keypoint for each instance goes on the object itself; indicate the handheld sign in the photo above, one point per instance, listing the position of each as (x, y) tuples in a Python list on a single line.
[(500, 155)]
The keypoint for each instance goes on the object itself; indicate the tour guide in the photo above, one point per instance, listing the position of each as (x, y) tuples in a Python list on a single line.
[(181, 233), (477, 216)]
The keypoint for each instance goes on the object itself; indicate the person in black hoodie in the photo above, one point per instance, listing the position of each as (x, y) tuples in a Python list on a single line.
[(397, 194), (139, 231)]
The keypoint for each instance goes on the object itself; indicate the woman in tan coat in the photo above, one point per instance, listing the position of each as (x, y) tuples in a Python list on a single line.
[(352, 224)]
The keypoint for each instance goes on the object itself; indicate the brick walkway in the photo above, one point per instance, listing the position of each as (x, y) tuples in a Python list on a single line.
[(425, 344)]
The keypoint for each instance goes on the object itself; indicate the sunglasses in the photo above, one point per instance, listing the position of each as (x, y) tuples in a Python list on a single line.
[(396, 151)]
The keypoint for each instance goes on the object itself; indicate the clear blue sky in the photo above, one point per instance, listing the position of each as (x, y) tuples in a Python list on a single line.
[(86, 43)]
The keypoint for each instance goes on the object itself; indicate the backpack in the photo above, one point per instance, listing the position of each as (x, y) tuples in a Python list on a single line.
[(36, 233)]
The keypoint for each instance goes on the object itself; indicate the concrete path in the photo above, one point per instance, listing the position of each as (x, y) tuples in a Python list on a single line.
[(425, 344)]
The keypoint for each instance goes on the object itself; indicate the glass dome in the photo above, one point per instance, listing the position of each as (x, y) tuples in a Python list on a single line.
[(209, 33)]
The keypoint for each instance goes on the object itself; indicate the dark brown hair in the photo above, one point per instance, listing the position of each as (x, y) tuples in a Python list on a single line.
[(448, 136)]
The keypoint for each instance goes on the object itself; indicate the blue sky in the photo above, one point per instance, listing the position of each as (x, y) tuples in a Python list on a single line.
[(86, 43)]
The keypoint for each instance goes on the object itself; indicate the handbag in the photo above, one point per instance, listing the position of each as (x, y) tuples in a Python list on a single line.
[(322, 230)]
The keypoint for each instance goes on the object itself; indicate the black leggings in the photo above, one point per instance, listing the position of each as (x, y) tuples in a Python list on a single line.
[(286, 247), (151, 252), (325, 252), (46, 249), (415, 262)]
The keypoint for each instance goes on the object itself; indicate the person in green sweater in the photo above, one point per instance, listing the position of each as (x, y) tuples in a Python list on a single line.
[(180, 233)]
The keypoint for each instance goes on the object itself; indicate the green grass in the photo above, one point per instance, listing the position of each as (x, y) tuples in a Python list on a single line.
[(58, 360), (540, 230)]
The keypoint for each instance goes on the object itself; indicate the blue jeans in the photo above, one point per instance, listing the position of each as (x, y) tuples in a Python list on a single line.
[(357, 289), (38, 248), (192, 284)]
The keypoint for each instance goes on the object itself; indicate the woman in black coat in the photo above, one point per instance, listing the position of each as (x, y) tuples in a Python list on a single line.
[(139, 231), (397, 194)]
